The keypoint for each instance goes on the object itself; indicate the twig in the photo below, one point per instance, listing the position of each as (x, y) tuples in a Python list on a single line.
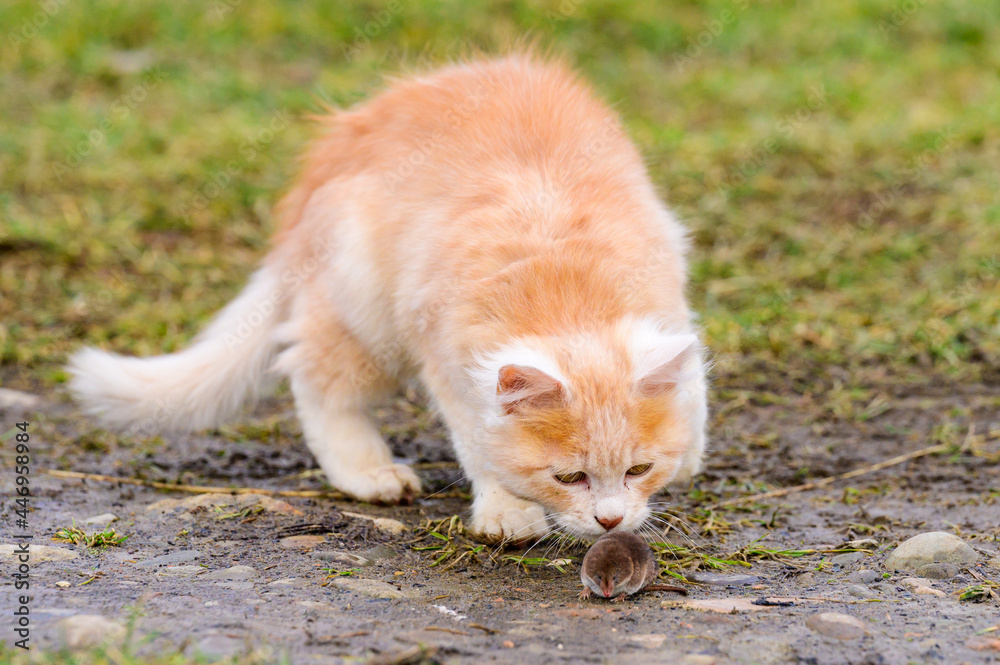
[(923, 452), (485, 629), (193, 489), (447, 630)]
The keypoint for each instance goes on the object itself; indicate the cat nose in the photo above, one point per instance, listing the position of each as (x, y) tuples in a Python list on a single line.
[(608, 522)]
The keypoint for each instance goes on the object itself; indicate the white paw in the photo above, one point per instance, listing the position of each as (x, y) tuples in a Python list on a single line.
[(504, 519), (689, 468), (395, 483)]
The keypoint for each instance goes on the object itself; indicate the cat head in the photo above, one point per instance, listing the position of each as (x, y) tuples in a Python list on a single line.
[(590, 426)]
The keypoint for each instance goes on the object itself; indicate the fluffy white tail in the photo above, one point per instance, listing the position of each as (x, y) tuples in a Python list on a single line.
[(195, 388)]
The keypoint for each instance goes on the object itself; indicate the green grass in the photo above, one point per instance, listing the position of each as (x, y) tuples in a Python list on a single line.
[(836, 162), (104, 538)]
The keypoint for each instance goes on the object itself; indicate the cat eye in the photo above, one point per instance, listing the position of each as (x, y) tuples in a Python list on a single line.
[(638, 469), (570, 478)]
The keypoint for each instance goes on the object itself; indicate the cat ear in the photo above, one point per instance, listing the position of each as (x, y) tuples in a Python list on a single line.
[(520, 386), (660, 365)]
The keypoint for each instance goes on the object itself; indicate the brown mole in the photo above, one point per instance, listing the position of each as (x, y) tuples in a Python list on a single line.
[(620, 564)]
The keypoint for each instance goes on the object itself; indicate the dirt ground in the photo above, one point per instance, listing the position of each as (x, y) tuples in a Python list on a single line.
[(291, 604)]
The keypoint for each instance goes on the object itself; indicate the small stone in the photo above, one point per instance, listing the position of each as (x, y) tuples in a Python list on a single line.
[(100, 520), (919, 585), (384, 524), (698, 659), (16, 399), (379, 553), (233, 573), (63, 584), (370, 588), (836, 625), (859, 591), (341, 558), (218, 647), (648, 641), (994, 563), (933, 547), (847, 558), (719, 579), (180, 571), (806, 579), (37, 553), (236, 585), (938, 571), (299, 542), (983, 643), (88, 630), (180, 556), (290, 581), (864, 576), (224, 502)]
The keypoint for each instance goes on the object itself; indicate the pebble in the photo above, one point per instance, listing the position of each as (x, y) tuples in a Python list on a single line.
[(180, 571), (180, 556), (16, 399), (378, 553), (648, 641), (698, 659), (236, 585), (101, 520), (805, 579), (719, 579), (370, 588), (233, 573), (88, 630), (218, 647), (225, 502), (938, 571), (836, 625), (296, 542), (859, 591), (384, 524), (63, 584), (994, 563), (919, 585), (983, 643), (933, 547), (864, 576), (290, 581), (341, 558), (38, 553), (847, 558)]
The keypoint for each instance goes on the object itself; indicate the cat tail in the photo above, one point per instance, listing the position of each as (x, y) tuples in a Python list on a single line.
[(198, 387)]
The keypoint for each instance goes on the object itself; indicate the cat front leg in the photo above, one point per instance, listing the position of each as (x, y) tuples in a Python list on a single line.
[(499, 516), (349, 448), (334, 380)]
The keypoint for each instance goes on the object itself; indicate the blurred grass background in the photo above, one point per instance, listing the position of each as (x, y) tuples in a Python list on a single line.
[(837, 163)]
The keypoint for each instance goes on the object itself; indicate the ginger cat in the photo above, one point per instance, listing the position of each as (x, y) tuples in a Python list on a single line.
[(489, 229)]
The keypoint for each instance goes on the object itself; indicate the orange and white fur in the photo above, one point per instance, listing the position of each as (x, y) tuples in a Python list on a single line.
[(489, 229)]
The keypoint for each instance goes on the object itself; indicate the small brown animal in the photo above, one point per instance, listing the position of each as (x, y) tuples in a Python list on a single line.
[(620, 564)]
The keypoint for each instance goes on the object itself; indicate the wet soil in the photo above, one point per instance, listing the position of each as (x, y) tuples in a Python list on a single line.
[(294, 603)]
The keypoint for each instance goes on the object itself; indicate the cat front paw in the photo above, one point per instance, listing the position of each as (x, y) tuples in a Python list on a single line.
[(393, 483), (507, 519)]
